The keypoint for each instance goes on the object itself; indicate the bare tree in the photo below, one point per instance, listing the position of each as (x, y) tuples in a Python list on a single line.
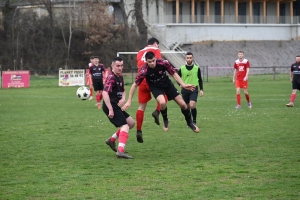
[(140, 23), (99, 23), (7, 12)]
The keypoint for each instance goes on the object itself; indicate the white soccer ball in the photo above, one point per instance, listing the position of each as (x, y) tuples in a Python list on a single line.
[(83, 93)]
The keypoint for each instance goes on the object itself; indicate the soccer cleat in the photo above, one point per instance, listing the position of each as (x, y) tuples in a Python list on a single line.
[(249, 105), (155, 115), (91, 97), (166, 125), (123, 155), (111, 144), (139, 136), (291, 104), (238, 106), (193, 126)]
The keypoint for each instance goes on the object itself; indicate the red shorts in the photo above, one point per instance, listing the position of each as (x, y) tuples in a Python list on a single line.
[(144, 93), (241, 84)]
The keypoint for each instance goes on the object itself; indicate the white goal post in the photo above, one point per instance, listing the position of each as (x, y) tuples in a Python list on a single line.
[(162, 52), (176, 58)]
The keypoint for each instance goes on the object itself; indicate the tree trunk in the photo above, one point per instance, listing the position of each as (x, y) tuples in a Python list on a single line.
[(125, 19), (7, 19), (140, 23)]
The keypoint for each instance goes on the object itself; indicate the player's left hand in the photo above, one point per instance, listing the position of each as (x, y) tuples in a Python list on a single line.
[(126, 106), (189, 87), (201, 93), (246, 78)]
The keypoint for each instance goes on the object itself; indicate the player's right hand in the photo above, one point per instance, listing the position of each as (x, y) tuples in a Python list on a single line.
[(111, 114)]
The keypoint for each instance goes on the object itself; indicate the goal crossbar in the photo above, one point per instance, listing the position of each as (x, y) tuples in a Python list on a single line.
[(162, 52)]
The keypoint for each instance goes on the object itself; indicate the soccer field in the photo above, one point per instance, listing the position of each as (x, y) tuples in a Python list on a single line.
[(52, 146)]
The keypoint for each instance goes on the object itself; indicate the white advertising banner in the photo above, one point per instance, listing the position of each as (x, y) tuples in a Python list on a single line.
[(72, 77)]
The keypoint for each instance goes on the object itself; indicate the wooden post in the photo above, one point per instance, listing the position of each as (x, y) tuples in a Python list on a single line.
[(291, 11), (177, 11), (207, 11), (236, 11), (222, 11), (278, 11), (264, 11), (250, 11), (193, 11)]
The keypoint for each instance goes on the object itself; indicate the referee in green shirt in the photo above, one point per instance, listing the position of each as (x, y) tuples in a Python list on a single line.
[(191, 74)]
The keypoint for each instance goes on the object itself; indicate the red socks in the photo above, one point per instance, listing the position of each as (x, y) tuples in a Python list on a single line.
[(139, 119), (293, 97), (123, 137), (91, 91), (115, 136), (247, 97), (238, 99), (158, 107)]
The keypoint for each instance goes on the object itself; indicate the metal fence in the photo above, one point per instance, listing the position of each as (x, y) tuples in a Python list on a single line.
[(206, 72)]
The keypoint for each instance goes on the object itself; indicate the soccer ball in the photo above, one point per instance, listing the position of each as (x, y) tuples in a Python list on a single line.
[(83, 93)]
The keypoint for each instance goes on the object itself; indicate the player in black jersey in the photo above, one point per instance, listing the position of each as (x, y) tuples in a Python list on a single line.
[(295, 79), (154, 71), (96, 76), (114, 98)]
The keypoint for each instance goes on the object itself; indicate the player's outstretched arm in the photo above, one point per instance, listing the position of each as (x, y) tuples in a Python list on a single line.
[(130, 95), (108, 104), (182, 84)]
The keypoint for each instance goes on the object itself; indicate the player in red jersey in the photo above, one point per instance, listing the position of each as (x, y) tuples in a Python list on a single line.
[(144, 93), (96, 75), (240, 78), (295, 79), (88, 78)]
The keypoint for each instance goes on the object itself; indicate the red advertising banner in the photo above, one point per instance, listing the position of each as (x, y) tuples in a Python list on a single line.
[(15, 79)]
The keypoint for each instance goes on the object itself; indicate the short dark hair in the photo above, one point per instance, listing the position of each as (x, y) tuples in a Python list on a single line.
[(152, 40), (298, 56), (241, 52), (149, 55), (91, 57), (96, 57), (117, 59), (189, 53)]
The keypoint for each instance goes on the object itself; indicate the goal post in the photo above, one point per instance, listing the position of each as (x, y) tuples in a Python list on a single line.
[(176, 58)]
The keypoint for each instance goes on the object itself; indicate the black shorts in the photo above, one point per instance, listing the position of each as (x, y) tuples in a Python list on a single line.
[(170, 91), (97, 84), (296, 84), (189, 95), (120, 116)]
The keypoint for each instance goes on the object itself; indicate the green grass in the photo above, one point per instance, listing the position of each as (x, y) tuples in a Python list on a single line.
[(52, 146)]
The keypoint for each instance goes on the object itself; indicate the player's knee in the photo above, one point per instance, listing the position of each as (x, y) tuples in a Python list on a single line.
[(183, 105), (192, 105), (130, 123)]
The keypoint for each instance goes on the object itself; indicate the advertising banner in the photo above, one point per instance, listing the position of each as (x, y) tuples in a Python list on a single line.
[(15, 79), (72, 77)]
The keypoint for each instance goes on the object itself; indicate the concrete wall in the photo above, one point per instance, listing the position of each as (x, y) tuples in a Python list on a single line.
[(190, 33)]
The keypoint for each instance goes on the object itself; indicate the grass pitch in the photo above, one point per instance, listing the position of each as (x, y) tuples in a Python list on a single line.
[(52, 146)]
